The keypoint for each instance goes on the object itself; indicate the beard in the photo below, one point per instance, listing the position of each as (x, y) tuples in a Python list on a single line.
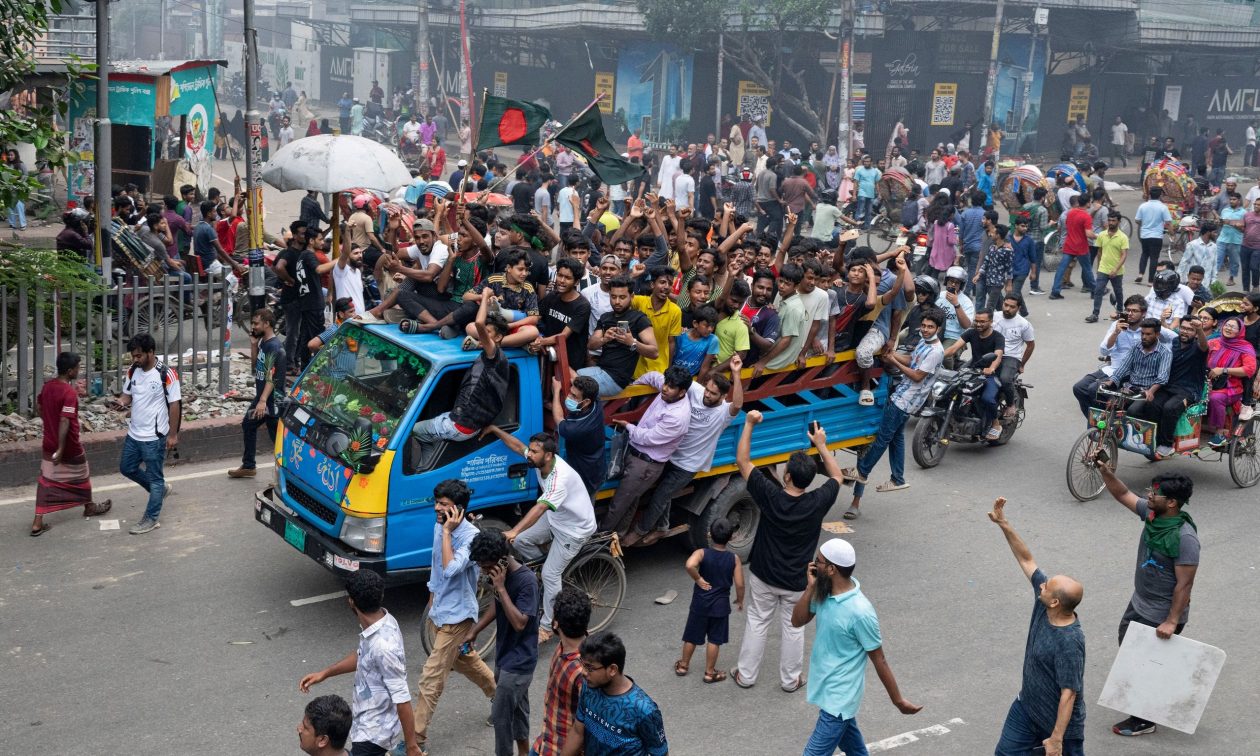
[(822, 588)]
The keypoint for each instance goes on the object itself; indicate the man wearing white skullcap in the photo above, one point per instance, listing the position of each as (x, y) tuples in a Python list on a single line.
[(847, 634)]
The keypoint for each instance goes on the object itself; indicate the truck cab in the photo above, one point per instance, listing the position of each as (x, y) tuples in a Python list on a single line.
[(354, 488)]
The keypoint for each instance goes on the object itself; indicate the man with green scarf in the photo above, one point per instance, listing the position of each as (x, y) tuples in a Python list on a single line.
[(1168, 557)]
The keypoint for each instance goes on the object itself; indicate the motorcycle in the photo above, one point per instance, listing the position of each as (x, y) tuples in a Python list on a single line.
[(918, 250), (953, 414), (378, 129)]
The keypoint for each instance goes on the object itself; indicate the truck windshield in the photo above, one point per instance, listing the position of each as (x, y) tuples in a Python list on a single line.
[(359, 374)]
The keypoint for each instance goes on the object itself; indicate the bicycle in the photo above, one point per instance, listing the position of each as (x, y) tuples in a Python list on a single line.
[(596, 570)]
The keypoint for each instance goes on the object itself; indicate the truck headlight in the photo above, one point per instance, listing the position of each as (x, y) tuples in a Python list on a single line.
[(364, 533)]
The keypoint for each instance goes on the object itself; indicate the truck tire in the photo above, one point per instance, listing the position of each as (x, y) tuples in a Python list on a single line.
[(736, 505)]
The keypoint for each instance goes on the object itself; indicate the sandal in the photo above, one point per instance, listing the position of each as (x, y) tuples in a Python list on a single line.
[(681, 668), (890, 486), (852, 513), (714, 677), (42, 529), (739, 680), (470, 344), (851, 473), (543, 636), (93, 509)]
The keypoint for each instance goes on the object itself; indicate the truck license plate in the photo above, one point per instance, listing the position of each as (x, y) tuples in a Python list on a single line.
[(295, 536)]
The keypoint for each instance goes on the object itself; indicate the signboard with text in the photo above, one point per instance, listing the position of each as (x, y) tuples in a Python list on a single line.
[(754, 100), (1078, 102), (500, 84), (944, 102), (605, 84)]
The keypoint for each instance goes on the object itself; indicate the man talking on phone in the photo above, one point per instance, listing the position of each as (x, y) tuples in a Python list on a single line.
[(1048, 715), (453, 608)]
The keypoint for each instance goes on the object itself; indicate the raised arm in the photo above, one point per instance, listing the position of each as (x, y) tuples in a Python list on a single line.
[(513, 443), (1018, 548), (743, 452)]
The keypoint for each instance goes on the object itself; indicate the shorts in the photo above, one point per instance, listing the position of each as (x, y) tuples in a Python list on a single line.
[(701, 627), (366, 748), (509, 711)]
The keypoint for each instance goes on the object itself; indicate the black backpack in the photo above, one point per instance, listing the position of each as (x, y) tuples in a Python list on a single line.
[(910, 211)]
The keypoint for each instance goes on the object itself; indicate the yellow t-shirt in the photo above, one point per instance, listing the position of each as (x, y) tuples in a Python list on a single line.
[(1109, 250), (666, 324)]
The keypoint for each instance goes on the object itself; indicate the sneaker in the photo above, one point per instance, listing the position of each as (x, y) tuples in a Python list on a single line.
[(1217, 440), (167, 491), (1069, 285), (1133, 727), (1137, 280), (242, 472), (866, 398), (1088, 319), (493, 308), (1053, 295), (144, 526), (1164, 451), (1036, 292), (1087, 290)]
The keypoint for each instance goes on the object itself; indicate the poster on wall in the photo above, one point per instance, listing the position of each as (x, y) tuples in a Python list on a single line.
[(192, 96), (1017, 91), (1172, 101), (858, 103), (944, 102), (605, 84), (754, 100), (653, 90), (500, 84), (336, 75), (1078, 102)]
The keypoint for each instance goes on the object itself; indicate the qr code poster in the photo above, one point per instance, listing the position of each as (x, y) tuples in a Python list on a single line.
[(944, 99), (754, 101)]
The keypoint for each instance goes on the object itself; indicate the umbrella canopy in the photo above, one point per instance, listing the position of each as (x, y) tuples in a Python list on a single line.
[(488, 198), (328, 163)]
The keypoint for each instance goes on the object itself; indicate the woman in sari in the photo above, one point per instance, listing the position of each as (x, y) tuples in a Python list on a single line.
[(64, 478), (1231, 362), (833, 166)]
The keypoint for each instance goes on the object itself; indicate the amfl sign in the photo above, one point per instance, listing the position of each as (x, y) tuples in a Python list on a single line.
[(1242, 102)]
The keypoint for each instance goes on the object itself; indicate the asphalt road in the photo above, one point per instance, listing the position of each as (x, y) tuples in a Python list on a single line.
[(186, 640)]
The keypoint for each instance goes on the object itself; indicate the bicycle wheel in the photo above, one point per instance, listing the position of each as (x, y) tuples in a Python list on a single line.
[(1083, 479), (1126, 226), (1053, 253), (882, 234), (1177, 244), (1244, 464), (485, 641), (603, 579)]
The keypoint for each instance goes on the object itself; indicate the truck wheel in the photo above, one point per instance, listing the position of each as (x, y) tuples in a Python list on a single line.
[(736, 505)]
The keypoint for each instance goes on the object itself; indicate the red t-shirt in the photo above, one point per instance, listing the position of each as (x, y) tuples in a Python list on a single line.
[(226, 231), (58, 399), (1076, 222)]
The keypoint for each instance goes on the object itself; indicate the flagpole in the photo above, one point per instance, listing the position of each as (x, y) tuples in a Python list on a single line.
[(542, 146)]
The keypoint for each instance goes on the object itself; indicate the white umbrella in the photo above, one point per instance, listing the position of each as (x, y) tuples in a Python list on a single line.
[(327, 163)]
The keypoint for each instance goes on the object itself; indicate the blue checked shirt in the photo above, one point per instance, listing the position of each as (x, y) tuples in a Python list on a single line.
[(1143, 369)]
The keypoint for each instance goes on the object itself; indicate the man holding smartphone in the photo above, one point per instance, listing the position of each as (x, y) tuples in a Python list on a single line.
[(452, 604), (1048, 715)]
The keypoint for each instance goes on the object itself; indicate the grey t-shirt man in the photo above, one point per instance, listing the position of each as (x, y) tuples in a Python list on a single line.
[(766, 185), (1054, 659), (1156, 577)]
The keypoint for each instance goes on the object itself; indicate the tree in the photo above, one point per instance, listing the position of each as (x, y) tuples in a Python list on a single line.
[(25, 23), (757, 38)]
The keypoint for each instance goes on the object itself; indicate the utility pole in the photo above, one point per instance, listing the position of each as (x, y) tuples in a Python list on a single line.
[(103, 147), (720, 61), (1039, 19), (253, 165), (847, 23), (992, 82), (420, 85)]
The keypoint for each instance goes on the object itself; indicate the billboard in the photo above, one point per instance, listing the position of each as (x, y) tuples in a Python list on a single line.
[(653, 89)]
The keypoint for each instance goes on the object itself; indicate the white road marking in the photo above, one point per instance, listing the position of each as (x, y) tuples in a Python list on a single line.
[(316, 599), (887, 744), (129, 484)]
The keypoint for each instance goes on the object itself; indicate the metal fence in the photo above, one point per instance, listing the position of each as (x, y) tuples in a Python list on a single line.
[(189, 320)]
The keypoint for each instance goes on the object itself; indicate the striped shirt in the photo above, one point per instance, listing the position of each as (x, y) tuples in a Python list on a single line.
[(564, 685), (1143, 369)]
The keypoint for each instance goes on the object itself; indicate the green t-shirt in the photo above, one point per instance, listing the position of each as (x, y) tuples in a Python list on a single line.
[(732, 336), (793, 324), (465, 276)]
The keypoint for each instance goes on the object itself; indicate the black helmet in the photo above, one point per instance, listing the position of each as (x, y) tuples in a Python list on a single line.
[(927, 285), (1166, 282)]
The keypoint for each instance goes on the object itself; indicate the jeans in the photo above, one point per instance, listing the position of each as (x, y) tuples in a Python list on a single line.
[(1117, 153), (1100, 291), (989, 297), (1218, 176), (1250, 267), (250, 426), (152, 454), (440, 428), (971, 257), (1151, 249), (770, 219), (1228, 253), (1020, 735), (1249, 154), (766, 603), (1039, 258), (563, 548), (1087, 273), (510, 711), (17, 215), (865, 210), (641, 474), (300, 327), (444, 659), (1086, 389), (607, 386), (672, 480), (988, 402), (831, 733), (367, 748), (891, 437)]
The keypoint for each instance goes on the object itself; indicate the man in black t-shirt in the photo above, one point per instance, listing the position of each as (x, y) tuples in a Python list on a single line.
[(523, 194), (301, 295), (624, 334), (483, 389), (579, 419), (986, 356), (269, 373), (791, 518), (565, 311), (707, 193)]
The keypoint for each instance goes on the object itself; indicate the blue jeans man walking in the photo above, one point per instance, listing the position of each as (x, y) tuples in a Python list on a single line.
[(151, 391)]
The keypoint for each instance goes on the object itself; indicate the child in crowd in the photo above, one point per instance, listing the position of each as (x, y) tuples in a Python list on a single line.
[(715, 570), (696, 348)]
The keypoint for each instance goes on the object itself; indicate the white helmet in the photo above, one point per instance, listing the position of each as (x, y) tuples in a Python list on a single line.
[(1188, 222), (956, 272)]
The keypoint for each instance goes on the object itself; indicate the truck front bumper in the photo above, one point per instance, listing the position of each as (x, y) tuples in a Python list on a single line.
[(330, 553)]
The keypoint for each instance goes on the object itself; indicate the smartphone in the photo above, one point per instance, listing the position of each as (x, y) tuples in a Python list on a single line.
[(623, 325), (1102, 456), (814, 426)]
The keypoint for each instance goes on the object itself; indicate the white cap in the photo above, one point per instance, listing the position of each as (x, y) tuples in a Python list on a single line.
[(462, 164), (839, 552)]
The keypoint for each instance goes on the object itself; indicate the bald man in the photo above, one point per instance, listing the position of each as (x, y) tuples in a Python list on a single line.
[(1048, 711)]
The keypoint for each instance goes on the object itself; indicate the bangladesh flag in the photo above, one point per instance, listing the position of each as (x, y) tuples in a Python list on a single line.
[(505, 121), (585, 136)]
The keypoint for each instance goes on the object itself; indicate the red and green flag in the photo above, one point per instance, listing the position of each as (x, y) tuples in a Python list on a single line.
[(585, 136), (505, 122)]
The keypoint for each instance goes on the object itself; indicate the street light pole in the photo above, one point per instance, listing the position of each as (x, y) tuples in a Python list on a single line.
[(103, 147), (253, 165), (847, 32), (991, 85), (420, 87)]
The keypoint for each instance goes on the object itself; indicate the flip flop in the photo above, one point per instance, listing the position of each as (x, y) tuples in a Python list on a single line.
[(42, 530), (470, 344), (714, 677), (852, 513), (681, 669), (738, 680)]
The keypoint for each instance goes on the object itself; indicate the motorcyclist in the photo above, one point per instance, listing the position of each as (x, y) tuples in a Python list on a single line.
[(986, 356), (926, 293), (411, 136), (958, 308)]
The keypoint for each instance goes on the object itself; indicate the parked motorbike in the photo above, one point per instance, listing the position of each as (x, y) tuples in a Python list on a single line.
[(918, 250), (378, 129), (953, 414)]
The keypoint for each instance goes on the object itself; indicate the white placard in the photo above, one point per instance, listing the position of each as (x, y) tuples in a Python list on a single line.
[(1167, 682)]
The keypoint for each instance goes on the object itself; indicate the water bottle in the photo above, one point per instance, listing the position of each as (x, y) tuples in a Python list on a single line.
[(98, 386)]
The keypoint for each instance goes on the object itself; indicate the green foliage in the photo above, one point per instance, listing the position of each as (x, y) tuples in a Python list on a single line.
[(26, 268)]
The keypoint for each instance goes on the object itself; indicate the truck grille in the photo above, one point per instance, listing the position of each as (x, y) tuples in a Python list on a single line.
[(310, 504)]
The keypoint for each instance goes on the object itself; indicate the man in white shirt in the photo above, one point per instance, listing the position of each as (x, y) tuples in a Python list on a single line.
[(597, 293), (668, 171), (1119, 141), (684, 186), (286, 131), (563, 516), (1249, 152), (567, 203), (152, 392), (347, 274)]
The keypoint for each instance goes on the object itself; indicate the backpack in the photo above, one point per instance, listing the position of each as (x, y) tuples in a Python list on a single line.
[(161, 368), (910, 212)]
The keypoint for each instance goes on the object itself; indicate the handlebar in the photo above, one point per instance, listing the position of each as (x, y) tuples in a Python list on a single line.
[(1117, 394)]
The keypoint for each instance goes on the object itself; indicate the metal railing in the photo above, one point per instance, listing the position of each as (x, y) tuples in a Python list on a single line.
[(189, 320)]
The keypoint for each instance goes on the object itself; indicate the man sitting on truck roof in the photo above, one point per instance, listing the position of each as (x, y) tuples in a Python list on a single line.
[(483, 389)]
